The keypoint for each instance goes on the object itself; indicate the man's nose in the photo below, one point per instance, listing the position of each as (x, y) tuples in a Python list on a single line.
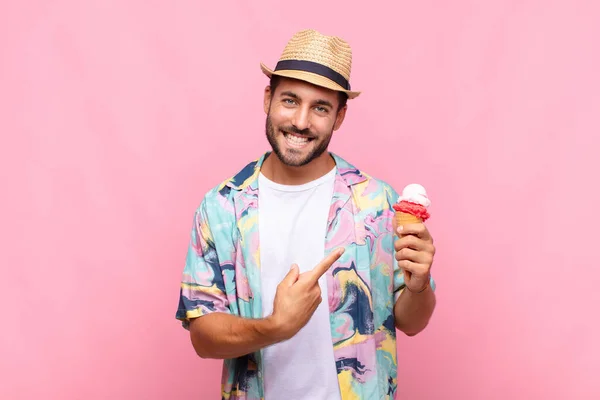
[(301, 119)]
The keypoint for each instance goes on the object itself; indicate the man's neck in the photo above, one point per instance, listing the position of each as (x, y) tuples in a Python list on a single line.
[(278, 172)]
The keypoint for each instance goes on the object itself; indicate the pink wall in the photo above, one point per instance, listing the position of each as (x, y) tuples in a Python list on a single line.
[(116, 117)]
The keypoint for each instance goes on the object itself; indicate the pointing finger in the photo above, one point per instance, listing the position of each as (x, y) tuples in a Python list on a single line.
[(324, 265)]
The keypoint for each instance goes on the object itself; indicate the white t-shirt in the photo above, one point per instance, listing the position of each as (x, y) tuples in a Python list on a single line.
[(292, 222)]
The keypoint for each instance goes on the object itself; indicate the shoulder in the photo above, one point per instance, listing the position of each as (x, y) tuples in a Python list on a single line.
[(219, 199), (381, 188), (366, 185)]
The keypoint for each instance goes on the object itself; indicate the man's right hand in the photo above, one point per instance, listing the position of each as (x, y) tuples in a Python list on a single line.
[(299, 295)]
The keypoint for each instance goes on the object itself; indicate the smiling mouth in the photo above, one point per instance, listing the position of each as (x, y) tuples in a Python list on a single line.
[(296, 140)]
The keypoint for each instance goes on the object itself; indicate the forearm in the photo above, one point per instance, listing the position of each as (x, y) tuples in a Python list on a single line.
[(223, 336), (412, 311)]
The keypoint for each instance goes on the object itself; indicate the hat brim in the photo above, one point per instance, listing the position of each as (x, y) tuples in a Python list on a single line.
[(309, 77)]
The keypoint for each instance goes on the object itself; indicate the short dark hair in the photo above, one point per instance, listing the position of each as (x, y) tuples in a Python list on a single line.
[(342, 97)]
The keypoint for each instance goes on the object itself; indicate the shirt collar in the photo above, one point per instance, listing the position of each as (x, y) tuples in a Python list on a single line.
[(248, 176)]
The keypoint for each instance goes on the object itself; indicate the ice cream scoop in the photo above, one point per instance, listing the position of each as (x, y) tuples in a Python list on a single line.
[(412, 205), (415, 193)]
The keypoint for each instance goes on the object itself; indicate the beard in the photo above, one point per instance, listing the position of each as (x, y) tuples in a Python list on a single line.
[(293, 157)]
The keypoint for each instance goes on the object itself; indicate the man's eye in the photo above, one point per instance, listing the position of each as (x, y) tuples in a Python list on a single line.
[(289, 101), (321, 109)]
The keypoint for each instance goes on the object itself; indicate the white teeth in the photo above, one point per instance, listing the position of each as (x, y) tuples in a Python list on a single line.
[(295, 139)]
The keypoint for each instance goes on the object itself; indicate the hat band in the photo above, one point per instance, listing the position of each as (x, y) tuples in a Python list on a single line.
[(315, 68)]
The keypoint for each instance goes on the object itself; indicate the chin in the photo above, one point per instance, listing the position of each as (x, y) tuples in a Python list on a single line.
[(291, 155), (292, 158)]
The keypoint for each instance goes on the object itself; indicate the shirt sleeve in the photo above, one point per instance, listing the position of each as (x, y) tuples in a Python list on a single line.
[(202, 288), (399, 284)]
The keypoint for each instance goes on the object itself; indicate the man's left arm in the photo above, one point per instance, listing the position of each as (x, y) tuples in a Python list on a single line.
[(414, 252)]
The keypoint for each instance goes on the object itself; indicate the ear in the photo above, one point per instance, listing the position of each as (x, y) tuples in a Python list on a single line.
[(340, 118), (267, 99)]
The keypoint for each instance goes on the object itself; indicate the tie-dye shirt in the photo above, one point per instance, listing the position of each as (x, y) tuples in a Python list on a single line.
[(222, 274)]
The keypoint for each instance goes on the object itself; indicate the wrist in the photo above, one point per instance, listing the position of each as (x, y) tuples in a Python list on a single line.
[(419, 290), (275, 329)]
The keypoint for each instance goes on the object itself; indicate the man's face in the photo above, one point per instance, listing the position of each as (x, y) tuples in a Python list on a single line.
[(301, 118)]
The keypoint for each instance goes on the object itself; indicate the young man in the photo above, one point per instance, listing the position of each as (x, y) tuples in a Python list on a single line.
[(294, 274)]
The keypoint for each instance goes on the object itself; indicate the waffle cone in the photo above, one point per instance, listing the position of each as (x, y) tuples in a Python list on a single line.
[(403, 218)]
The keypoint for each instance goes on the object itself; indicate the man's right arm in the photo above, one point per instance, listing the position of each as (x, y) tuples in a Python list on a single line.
[(223, 336), (215, 331)]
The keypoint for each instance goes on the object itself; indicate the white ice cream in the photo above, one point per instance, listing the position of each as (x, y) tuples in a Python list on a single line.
[(415, 193)]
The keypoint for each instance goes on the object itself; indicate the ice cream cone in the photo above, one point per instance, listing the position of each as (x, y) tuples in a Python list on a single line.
[(411, 207), (403, 218)]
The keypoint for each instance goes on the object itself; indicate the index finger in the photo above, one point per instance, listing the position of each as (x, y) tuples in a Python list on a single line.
[(419, 230), (325, 264)]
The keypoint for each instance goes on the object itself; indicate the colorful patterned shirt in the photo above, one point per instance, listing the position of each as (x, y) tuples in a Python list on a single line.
[(222, 274)]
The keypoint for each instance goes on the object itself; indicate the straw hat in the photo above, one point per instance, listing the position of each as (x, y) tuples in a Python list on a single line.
[(319, 59)]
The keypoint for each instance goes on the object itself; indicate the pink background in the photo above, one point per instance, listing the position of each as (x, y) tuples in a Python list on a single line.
[(117, 116)]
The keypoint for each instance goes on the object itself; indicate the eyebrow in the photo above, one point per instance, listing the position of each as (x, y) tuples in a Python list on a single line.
[(324, 103), (320, 102), (290, 94)]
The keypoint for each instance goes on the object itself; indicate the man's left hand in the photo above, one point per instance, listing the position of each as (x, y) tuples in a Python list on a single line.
[(414, 253)]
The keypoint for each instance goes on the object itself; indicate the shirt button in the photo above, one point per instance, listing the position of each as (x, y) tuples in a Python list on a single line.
[(259, 374)]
